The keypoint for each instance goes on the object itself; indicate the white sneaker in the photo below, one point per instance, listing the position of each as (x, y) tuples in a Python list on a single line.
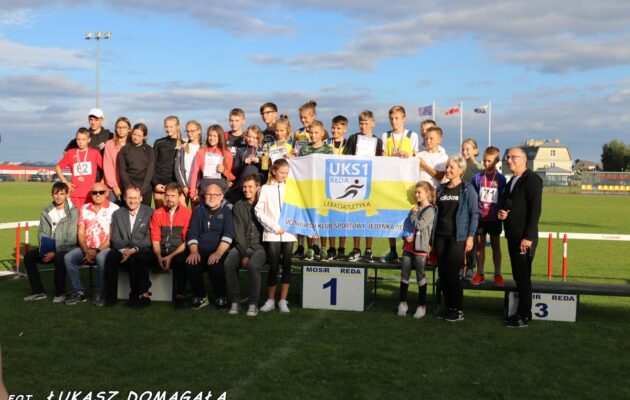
[(283, 306), (59, 299), (421, 311), (233, 309), (35, 296), (402, 309), (252, 311), (268, 306)]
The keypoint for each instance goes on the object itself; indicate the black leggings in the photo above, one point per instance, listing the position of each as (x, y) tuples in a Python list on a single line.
[(450, 255), (275, 252)]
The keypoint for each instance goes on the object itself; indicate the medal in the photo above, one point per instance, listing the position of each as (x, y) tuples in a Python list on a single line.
[(80, 179)]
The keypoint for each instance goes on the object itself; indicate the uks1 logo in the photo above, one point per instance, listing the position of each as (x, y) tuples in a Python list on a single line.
[(348, 181)]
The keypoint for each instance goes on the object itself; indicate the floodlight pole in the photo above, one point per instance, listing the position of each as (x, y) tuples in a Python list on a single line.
[(98, 36)]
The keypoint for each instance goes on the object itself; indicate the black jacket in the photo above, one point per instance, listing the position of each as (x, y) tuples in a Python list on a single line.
[(525, 204), (247, 229), (165, 150)]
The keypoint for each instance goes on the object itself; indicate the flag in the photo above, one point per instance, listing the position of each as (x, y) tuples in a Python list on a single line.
[(425, 110), (481, 110), (329, 195), (452, 110)]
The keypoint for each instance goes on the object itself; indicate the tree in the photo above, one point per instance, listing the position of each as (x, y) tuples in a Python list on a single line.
[(616, 156)]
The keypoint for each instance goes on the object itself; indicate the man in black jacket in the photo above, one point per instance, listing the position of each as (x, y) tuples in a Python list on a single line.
[(248, 251), (209, 237), (520, 213), (131, 249)]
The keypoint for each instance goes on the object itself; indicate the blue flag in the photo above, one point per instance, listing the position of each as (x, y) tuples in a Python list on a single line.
[(425, 110)]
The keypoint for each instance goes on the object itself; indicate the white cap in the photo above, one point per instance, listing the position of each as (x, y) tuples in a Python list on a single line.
[(96, 112)]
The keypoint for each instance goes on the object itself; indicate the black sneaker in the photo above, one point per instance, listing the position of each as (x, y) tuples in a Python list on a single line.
[(354, 255), (341, 254), (330, 255), (391, 257), (221, 302), (77, 297), (367, 256), (199, 302), (179, 303), (299, 253), (453, 315), (144, 302), (318, 253), (516, 321)]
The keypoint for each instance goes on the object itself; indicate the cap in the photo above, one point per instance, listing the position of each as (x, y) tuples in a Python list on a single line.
[(96, 112)]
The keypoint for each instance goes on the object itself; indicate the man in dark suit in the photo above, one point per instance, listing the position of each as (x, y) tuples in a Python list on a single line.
[(520, 213), (131, 249)]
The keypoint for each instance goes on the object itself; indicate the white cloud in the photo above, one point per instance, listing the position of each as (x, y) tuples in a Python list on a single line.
[(16, 18), (552, 37), (24, 57), (41, 87)]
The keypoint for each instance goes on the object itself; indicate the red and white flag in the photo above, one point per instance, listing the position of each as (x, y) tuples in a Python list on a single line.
[(452, 110)]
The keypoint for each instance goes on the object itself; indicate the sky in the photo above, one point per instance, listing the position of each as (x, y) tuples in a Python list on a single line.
[(552, 70)]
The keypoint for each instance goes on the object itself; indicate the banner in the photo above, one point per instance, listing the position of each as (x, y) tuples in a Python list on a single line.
[(346, 196)]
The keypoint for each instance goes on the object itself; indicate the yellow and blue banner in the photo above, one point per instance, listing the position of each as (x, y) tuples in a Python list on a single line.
[(330, 195)]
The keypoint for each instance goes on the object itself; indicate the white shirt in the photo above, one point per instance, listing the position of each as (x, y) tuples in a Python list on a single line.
[(434, 160), (189, 158), (56, 216)]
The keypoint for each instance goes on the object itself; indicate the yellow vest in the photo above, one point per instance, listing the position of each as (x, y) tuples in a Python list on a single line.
[(404, 144), (302, 135)]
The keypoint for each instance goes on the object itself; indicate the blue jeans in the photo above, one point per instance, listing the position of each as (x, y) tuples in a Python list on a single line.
[(74, 259)]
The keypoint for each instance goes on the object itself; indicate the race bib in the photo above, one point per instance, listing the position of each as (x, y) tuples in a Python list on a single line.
[(211, 162), (82, 168), (489, 195)]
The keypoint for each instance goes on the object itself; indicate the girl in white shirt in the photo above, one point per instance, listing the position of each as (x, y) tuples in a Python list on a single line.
[(186, 156), (277, 242)]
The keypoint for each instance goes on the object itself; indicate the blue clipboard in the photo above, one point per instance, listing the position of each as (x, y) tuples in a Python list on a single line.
[(47, 245)]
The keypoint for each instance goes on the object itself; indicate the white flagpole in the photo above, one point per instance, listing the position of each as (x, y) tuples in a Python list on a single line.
[(433, 113), (461, 123), (489, 123)]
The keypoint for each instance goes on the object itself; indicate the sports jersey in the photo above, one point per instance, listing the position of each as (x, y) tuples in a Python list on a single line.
[(337, 147), (406, 141), (302, 135), (83, 165), (97, 223)]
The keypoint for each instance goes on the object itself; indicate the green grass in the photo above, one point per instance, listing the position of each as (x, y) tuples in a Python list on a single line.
[(320, 354)]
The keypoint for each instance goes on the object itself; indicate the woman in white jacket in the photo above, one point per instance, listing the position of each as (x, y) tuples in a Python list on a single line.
[(278, 243)]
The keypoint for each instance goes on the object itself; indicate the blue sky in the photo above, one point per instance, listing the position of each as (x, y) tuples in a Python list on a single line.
[(551, 69)]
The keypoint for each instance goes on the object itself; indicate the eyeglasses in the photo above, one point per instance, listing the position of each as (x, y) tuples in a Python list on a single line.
[(192, 130), (98, 192), (214, 194), (512, 157), (122, 128), (267, 112)]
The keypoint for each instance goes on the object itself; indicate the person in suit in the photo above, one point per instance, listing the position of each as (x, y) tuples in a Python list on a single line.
[(520, 213), (131, 250)]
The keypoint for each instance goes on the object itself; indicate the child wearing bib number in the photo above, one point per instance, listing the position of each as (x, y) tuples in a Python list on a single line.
[(416, 247), (489, 185), (83, 163)]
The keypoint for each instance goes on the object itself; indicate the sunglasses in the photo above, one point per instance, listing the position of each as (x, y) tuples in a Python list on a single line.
[(98, 192)]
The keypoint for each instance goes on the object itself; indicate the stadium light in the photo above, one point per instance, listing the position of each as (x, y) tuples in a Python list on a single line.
[(98, 36)]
